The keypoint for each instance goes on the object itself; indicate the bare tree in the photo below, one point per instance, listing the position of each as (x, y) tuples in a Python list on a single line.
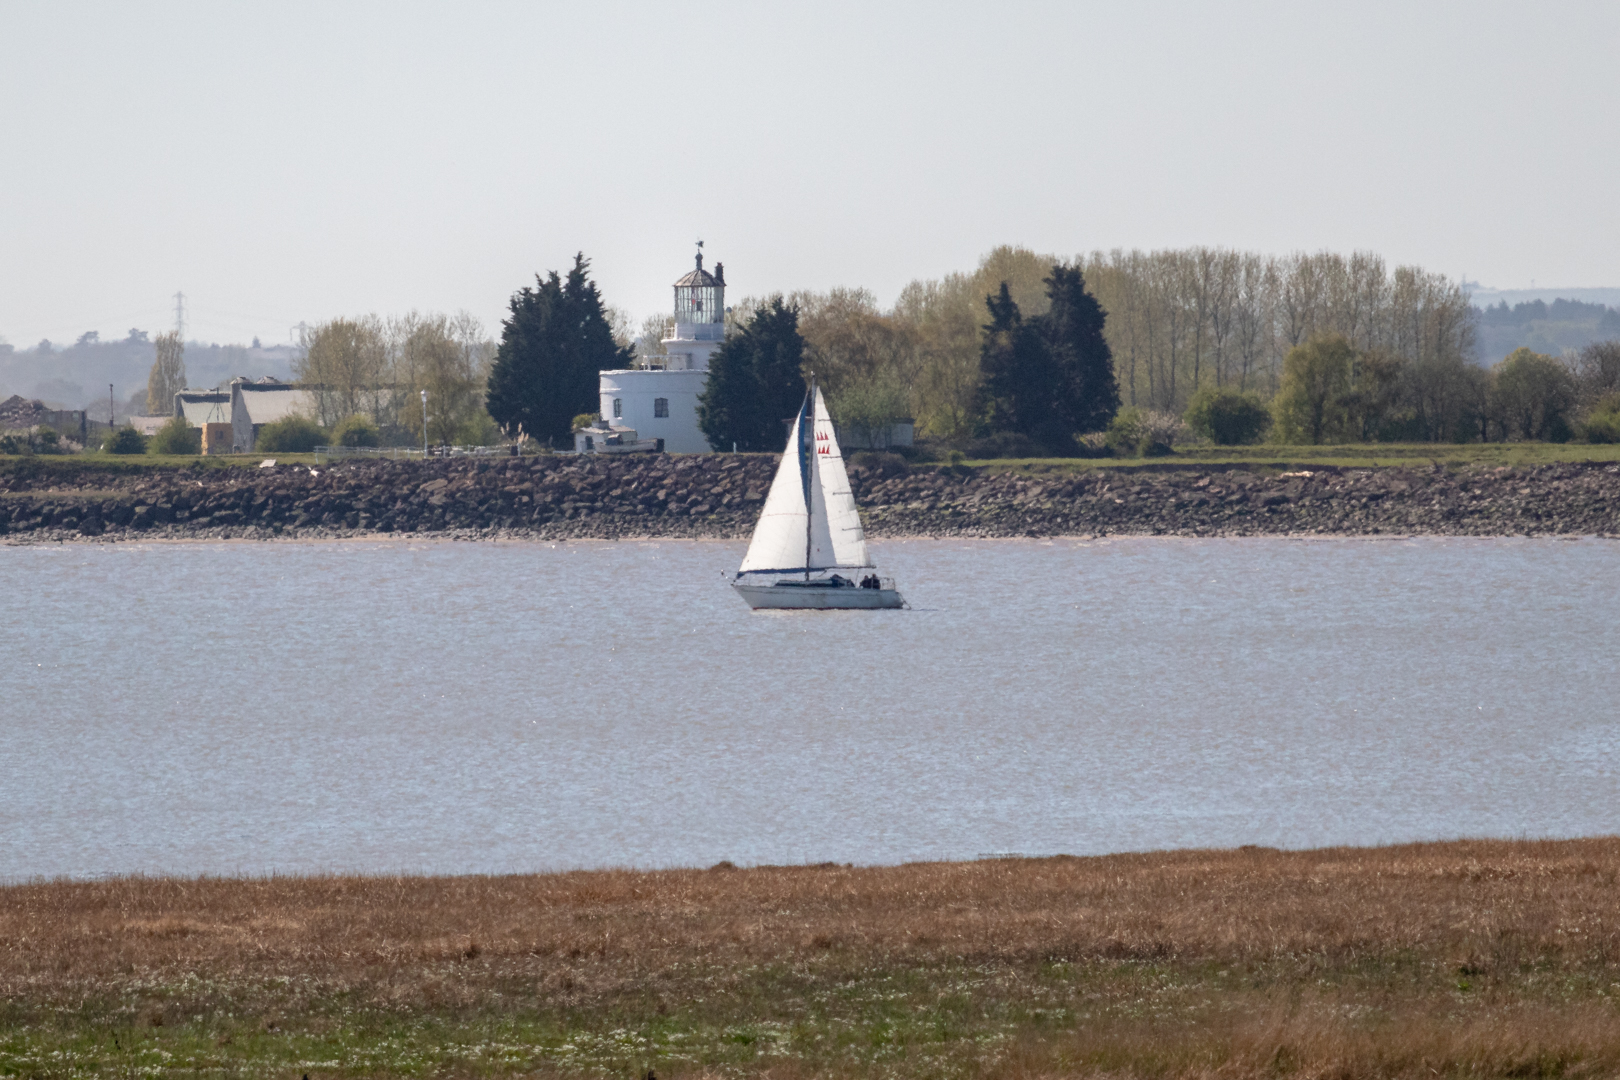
[(1301, 300), (623, 325), (448, 356), (1225, 276), (344, 363), (1597, 371), (1116, 280), (168, 375), (650, 342)]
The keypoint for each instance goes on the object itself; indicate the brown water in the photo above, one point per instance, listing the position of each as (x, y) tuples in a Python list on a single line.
[(225, 708)]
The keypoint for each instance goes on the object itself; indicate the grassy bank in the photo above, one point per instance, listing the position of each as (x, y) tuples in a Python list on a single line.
[(1474, 958), (69, 466), (1354, 456), (1263, 457)]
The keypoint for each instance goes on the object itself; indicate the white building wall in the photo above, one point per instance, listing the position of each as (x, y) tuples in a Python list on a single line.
[(637, 393)]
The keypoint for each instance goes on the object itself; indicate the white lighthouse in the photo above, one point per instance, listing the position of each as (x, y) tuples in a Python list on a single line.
[(660, 402)]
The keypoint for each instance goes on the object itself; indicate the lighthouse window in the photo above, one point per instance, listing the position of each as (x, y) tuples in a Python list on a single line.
[(618, 408), (661, 406)]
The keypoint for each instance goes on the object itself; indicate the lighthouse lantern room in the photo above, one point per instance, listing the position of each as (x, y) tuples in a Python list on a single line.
[(700, 318)]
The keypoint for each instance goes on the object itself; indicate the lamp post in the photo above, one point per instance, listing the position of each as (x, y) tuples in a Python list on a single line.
[(424, 425)]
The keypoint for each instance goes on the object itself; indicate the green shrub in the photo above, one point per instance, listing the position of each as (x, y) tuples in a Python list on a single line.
[(356, 430), (126, 440), (481, 430), (1125, 430), (585, 420), (1145, 433), (1094, 444), (34, 441), (293, 435), (175, 437), (1228, 417), (1601, 427)]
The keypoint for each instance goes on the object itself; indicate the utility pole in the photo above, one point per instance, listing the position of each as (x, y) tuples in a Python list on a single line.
[(180, 316), (424, 425), (110, 420)]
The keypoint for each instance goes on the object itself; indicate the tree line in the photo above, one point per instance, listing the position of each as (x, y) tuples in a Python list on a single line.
[(1176, 321), (377, 369), (1556, 328), (1200, 341), (1045, 377), (1112, 348), (1333, 393)]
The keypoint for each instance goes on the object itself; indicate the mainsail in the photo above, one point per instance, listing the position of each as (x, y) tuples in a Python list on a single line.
[(809, 521)]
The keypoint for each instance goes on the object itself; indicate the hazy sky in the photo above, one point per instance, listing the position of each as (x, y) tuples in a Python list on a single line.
[(283, 162)]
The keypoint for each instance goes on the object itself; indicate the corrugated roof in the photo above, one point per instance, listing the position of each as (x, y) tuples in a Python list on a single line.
[(205, 407), (267, 404)]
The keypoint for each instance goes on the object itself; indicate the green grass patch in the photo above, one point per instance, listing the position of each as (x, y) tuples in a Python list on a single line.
[(947, 1018), (1358, 455), (70, 466)]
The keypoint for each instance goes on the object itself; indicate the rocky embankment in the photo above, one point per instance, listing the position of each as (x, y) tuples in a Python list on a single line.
[(720, 496)]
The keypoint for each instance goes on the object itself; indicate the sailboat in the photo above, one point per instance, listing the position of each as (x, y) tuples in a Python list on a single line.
[(809, 537)]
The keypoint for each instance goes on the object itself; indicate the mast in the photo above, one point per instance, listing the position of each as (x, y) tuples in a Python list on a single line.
[(805, 467)]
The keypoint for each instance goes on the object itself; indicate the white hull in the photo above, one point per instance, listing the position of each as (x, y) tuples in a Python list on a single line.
[(818, 597)]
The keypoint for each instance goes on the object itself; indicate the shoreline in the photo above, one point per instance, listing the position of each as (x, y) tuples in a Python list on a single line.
[(720, 496), (1329, 852), (124, 539)]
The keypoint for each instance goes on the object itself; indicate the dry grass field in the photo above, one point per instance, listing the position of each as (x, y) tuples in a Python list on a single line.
[(1458, 959)]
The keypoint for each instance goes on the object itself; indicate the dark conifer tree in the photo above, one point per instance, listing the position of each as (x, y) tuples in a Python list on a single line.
[(1018, 384), (1050, 377), (1087, 394), (755, 382), (553, 344)]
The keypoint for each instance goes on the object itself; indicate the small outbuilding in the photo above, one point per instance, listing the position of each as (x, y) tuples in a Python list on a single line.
[(240, 409), (606, 437), (255, 404)]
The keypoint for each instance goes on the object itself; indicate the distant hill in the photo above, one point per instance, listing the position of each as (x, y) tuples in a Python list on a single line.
[(76, 376), (1545, 323), (1484, 297)]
